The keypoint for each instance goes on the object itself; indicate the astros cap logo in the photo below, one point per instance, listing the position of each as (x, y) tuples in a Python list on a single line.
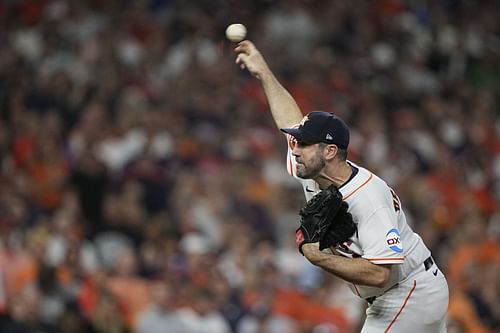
[(304, 120)]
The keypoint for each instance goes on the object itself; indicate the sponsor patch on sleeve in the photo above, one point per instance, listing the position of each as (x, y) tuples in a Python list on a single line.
[(393, 239)]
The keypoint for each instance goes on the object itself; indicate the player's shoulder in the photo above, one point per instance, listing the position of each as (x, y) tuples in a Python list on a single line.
[(364, 182)]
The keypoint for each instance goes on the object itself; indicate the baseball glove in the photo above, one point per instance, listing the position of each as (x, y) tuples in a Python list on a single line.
[(340, 229), (317, 216)]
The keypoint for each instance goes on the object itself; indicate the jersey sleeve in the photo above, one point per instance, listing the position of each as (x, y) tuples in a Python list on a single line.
[(380, 238), (291, 164)]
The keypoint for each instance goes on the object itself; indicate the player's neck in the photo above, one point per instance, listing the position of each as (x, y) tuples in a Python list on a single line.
[(336, 173)]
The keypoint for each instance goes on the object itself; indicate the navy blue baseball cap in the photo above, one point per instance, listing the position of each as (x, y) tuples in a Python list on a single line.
[(320, 126)]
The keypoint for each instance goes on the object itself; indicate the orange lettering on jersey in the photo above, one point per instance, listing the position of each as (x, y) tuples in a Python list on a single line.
[(395, 201)]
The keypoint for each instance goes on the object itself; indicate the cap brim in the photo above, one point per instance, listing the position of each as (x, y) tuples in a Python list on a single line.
[(300, 135)]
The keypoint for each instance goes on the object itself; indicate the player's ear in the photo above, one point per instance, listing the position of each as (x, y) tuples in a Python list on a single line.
[(330, 152)]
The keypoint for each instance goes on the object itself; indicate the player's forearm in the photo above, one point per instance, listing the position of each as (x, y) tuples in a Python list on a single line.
[(284, 109), (355, 270)]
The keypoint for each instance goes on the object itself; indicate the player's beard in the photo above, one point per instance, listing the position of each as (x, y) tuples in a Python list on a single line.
[(312, 168)]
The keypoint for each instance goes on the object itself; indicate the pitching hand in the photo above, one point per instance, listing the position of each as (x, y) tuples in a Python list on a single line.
[(251, 59)]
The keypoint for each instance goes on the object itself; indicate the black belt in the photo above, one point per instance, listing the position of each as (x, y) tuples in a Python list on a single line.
[(427, 265)]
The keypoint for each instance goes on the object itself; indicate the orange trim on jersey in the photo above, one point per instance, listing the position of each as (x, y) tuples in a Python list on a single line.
[(291, 142), (366, 182), (381, 259), (291, 167), (356, 288), (291, 146), (402, 306)]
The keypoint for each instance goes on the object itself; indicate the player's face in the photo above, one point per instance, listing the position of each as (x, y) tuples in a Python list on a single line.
[(309, 158)]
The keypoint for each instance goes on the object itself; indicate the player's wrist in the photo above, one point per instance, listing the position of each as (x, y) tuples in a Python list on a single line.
[(311, 251), (265, 74)]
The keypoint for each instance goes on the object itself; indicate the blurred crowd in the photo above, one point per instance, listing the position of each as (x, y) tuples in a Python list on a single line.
[(143, 185)]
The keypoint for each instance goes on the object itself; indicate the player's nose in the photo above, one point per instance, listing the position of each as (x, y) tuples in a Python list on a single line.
[(296, 155), (297, 151)]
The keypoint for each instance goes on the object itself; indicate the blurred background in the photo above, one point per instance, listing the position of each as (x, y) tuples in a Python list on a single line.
[(142, 179)]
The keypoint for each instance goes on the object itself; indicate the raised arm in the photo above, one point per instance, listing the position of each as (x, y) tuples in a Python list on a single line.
[(284, 109)]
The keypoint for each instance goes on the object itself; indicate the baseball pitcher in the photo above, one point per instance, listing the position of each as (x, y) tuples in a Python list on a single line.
[(353, 224)]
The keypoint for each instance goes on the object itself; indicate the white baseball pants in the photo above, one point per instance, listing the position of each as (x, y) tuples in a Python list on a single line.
[(418, 304)]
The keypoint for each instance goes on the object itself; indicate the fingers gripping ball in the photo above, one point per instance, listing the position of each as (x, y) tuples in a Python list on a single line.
[(236, 32), (317, 215)]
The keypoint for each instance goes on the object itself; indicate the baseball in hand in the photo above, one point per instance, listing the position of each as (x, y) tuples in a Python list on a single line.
[(236, 32)]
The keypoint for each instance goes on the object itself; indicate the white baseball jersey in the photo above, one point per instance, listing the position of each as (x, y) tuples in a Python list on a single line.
[(384, 237)]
